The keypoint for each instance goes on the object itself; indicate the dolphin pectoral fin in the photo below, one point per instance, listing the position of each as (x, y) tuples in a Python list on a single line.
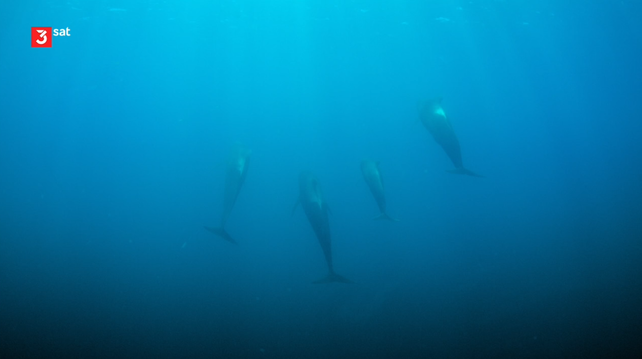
[(221, 233), (463, 171), (385, 216), (333, 277), (298, 202)]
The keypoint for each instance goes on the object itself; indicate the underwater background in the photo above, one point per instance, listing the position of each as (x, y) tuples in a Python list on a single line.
[(113, 147)]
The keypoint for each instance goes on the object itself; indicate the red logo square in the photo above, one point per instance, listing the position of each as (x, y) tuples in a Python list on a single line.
[(41, 36)]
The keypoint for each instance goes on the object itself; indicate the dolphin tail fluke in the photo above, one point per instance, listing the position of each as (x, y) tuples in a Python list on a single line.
[(385, 216), (333, 277), (221, 232), (463, 171)]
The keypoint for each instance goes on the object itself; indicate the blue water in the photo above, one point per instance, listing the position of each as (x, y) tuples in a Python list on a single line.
[(113, 147)]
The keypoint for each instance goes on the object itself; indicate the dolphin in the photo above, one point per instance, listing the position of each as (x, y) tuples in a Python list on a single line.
[(372, 175), (236, 170), (434, 118), (316, 209)]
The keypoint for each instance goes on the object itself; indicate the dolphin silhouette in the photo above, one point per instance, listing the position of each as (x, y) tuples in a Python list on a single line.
[(316, 209), (434, 118), (236, 170), (372, 176)]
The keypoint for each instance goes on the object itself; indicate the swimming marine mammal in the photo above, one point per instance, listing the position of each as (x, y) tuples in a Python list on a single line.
[(316, 209), (235, 173), (372, 176), (434, 118)]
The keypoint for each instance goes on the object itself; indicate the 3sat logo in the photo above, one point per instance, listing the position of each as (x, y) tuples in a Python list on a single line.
[(42, 36)]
